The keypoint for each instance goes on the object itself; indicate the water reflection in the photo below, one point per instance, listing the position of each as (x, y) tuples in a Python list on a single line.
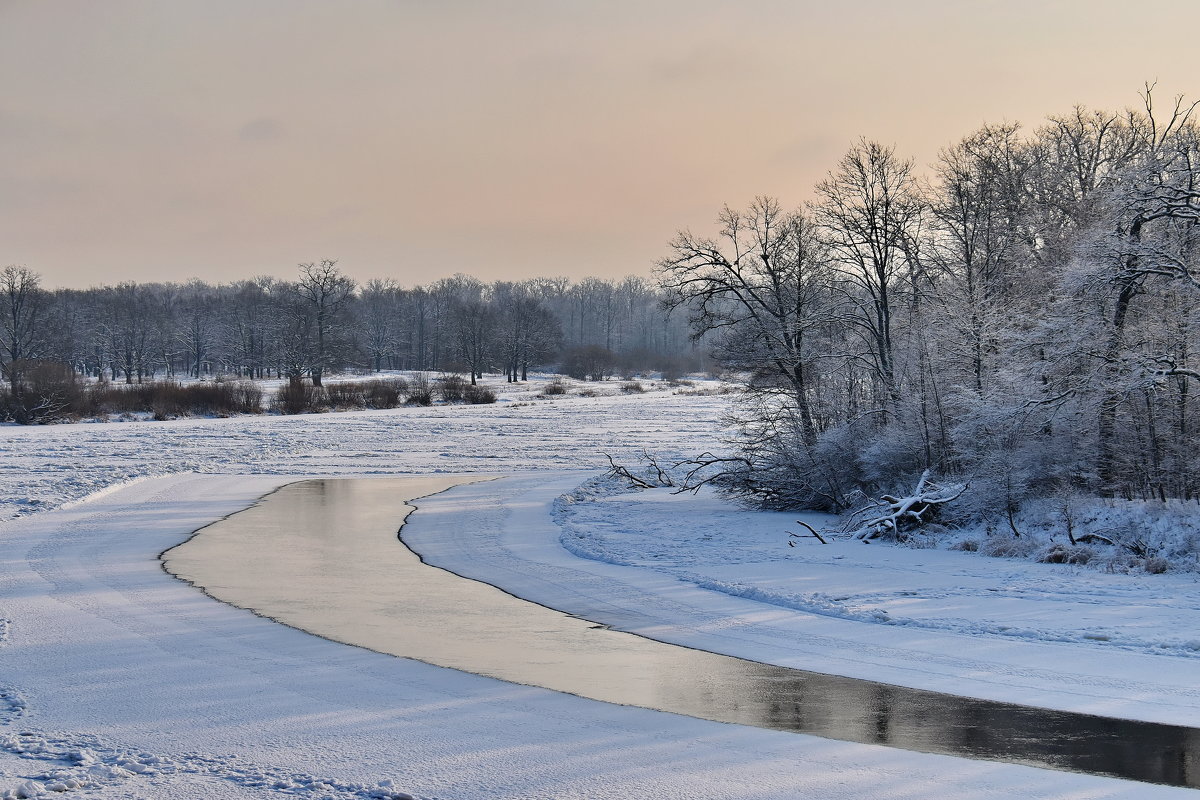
[(323, 556)]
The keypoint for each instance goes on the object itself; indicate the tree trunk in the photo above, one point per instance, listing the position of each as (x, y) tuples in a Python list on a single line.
[(1106, 423)]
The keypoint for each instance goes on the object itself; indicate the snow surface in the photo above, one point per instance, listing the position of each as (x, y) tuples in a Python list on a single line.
[(42, 467), (707, 541), (118, 680), (505, 532)]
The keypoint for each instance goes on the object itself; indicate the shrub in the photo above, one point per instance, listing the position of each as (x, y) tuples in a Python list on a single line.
[(346, 395), (350, 395), (219, 398), (1000, 546), (706, 391), (420, 393), (296, 397), (46, 391), (589, 362), (53, 393), (1156, 565), (385, 393), (632, 387), (915, 542), (168, 399), (1067, 554), (555, 387), (477, 394), (249, 396), (452, 388)]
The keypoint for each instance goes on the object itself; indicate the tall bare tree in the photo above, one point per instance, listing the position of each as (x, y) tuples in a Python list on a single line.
[(757, 284), (869, 210), (325, 290), (22, 307)]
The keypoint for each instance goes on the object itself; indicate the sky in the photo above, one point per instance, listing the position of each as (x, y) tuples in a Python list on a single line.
[(165, 140)]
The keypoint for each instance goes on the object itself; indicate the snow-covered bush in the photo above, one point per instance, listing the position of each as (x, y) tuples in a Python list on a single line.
[(1059, 553), (420, 392), (1007, 546), (554, 387), (298, 397), (1106, 534), (478, 394), (451, 387)]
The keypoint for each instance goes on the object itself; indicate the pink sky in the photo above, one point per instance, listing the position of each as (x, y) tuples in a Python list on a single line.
[(162, 140)]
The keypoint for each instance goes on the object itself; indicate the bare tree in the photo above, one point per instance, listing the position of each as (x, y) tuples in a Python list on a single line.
[(22, 306), (1147, 220), (128, 323), (325, 290), (198, 330), (869, 209), (474, 326), (757, 285), (380, 320)]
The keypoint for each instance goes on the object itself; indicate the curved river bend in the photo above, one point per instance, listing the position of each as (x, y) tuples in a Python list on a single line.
[(323, 556)]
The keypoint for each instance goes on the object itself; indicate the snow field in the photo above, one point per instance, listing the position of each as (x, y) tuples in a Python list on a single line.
[(709, 542), (122, 678), (42, 467)]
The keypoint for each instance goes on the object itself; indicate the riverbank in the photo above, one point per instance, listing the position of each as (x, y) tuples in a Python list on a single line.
[(118, 672), (125, 677)]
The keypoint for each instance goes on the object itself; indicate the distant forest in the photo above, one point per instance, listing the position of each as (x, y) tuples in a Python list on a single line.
[(325, 321)]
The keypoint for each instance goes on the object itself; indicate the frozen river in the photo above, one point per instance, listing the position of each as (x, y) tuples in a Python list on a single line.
[(323, 556)]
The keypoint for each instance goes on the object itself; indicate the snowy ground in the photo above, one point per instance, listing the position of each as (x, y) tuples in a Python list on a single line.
[(45, 466), (706, 541), (117, 675), (712, 596)]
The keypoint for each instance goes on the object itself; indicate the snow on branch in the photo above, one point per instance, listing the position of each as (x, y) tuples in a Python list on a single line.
[(688, 475), (655, 475), (811, 530), (1165, 367), (895, 514)]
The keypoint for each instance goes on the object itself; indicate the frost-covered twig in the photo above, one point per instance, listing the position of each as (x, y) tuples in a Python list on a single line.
[(811, 530), (619, 471), (660, 477), (908, 511)]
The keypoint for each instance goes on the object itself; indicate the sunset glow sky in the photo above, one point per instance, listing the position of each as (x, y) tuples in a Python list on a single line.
[(162, 140)]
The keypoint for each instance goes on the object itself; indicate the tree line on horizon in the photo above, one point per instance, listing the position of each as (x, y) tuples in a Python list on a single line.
[(1024, 319), (325, 321)]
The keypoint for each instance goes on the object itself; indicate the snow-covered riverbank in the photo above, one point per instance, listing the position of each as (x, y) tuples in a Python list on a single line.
[(44, 466), (724, 600), (120, 676), (707, 541)]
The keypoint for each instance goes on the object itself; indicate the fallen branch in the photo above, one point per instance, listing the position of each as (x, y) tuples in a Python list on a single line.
[(664, 477), (811, 530), (908, 512), (1091, 538), (619, 471)]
